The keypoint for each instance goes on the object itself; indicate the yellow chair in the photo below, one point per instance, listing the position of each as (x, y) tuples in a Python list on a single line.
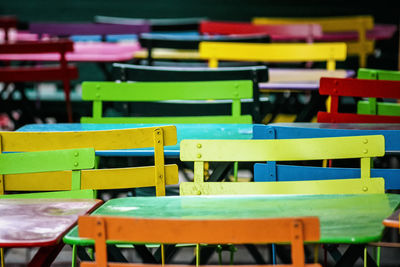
[(158, 175), (282, 52), (360, 24), (363, 147)]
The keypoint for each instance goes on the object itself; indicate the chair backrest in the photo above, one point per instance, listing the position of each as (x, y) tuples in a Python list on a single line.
[(289, 52), (158, 175), (372, 106), (360, 24), (161, 91), (186, 231), (140, 73), (191, 42), (270, 171), (63, 72), (337, 87), (288, 32), (67, 29), (363, 147), (37, 163), (157, 25), (6, 24)]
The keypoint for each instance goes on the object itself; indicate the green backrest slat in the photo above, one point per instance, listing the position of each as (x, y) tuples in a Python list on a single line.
[(76, 194), (181, 119), (376, 74), (372, 106), (46, 161), (160, 91)]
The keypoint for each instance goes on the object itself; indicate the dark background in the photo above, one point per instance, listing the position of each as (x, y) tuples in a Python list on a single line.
[(386, 56)]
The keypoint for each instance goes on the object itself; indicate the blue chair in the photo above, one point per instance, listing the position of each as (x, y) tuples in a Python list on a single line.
[(271, 171)]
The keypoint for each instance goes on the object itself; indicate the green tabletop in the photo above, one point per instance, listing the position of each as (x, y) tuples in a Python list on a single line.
[(344, 218)]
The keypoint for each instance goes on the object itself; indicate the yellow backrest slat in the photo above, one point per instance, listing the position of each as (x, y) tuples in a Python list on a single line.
[(99, 140), (283, 149), (328, 24), (281, 52)]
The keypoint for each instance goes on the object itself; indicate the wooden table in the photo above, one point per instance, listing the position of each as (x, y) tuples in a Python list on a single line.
[(348, 219), (40, 223), (184, 131)]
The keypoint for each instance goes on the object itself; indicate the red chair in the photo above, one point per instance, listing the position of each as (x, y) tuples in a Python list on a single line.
[(7, 23), (281, 32), (338, 87), (62, 72)]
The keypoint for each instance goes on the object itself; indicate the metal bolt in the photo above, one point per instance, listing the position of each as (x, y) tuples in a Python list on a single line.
[(76, 154), (98, 87), (365, 141), (365, 151), (198, 145), (198, 156), (76, 164), (97, 95), (365, 189)]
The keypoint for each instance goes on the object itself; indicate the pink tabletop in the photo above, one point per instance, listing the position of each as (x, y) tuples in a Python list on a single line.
[(85, 52), (39, 222)]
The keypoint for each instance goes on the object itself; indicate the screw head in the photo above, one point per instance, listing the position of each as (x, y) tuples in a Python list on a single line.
[(365, 151), (76, 154), (199, 145), (76, 164), (198, 156), (365, 188), (365, 141)]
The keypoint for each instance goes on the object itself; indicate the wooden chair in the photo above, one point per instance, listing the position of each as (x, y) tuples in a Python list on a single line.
[(337, 87), (183, 231), (178, 47), (372, 106), (361, 47), (63, 72), (363, 147), (158, 175), (235, 91), (139, 73), (284, 32), (282, 52)]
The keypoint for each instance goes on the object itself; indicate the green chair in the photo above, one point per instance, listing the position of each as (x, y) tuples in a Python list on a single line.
[(372, 106), (206, 92), (72, 160)]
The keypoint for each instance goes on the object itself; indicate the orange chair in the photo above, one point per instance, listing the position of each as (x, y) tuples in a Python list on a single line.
[(187, 231)]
